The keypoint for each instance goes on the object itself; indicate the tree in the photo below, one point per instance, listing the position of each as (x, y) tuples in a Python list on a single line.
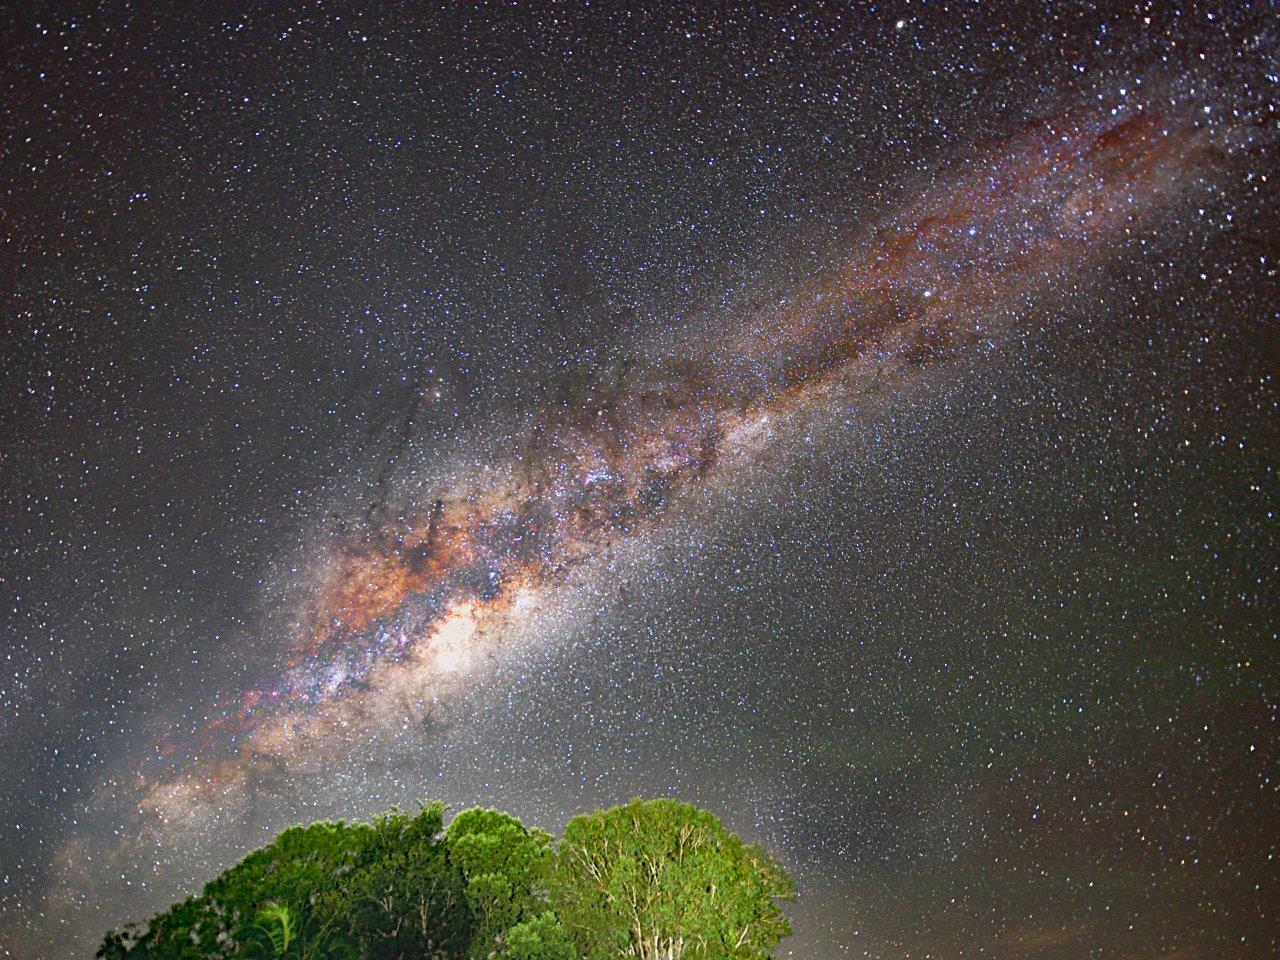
[(406, 900), (505, 866), (275, 889), (655, 880), (382, 891), (261, 907), (661, 880)]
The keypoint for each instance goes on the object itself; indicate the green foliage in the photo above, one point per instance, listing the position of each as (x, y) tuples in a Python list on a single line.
[(283, 879), (661, 880), (407, 901), (117, 944), (330, 890), (654, 880), (175, 934), (542, 937), (505, 866), (277, 922)]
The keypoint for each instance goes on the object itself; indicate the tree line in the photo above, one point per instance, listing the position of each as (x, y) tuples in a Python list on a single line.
[(651, 880)]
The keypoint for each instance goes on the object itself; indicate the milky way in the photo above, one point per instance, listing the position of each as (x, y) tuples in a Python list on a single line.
[(410, 609), (859, 421)]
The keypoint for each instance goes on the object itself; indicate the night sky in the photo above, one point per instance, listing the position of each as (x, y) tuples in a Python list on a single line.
[(858, 420)]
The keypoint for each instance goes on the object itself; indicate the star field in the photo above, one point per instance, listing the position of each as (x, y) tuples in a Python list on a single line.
[(859, 420)]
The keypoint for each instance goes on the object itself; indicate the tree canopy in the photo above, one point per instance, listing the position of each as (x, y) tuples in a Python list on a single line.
[(505, 866), (662, 880), (652, 880)]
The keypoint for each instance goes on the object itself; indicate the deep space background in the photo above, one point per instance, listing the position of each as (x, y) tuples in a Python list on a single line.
[(990, 662)]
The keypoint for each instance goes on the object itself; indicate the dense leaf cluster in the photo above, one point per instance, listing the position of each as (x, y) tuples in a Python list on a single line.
[(652, 880)]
